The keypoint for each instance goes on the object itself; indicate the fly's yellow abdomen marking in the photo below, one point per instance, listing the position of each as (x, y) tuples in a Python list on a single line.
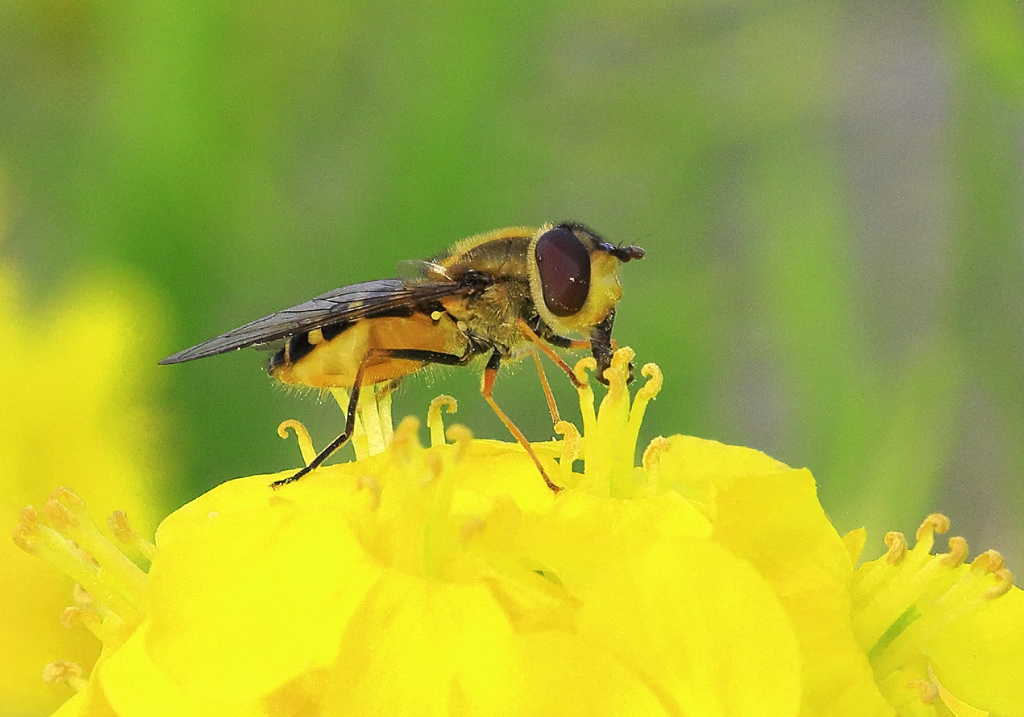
[(333, 363)]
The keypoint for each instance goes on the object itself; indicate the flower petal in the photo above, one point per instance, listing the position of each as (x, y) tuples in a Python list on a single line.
[(244, 567), (136, 687), (697, 625), (417, 645), (769, 514), (989, 675)]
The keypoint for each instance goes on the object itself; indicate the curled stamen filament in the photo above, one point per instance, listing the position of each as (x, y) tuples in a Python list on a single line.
[(434, 421), (302, 435), (572, 449)]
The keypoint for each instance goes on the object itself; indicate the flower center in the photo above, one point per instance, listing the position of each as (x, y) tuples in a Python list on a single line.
[(108, 585), (609, 438), (903, 601)]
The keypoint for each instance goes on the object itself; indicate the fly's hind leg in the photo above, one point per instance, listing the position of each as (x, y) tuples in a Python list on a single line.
[(487, 389), (353, 401)]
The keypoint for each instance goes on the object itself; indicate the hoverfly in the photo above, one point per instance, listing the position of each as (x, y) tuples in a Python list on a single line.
[(505, 293)]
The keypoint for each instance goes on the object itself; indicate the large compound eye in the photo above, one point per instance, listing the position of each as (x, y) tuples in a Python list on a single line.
[(564, 266)]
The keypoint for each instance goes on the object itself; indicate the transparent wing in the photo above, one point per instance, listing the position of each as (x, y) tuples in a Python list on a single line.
[(415, 271), (348, 303)]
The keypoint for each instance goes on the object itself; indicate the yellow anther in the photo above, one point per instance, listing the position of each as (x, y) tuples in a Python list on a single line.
[(897, 547), (461, 437), (936, 522), (655, 379), (621, 359), (23, 538), (585, 364), (957, 552), (472, 529), (405, 442), (69, 499), (652, 454), (71, 615), (434, 421), (302, 435), (28, 517), (74, 615), (123, 531), (83, 598), (927, 691), (58, 515), (618, 373), (1004, 581), (62, 671), (372, 487), (990, 561)]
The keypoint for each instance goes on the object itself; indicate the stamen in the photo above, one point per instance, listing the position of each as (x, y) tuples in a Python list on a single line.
[(461, 437), (91, 620), (652, 455), (302, 435), (1004, 581), (83, 598), (928, 692), (586, 393), (917, 596), (897, 547), (434, 421), (954, 704), (123, 531), (610, 447), (372, 487), (934, 523), (67, 672), (471, 530), (374, 432), (572, 449), (957, 554), (68, 516), (646, 394), (116, 587), (990, 561), (404, 443), (360, 445), (384, 411)]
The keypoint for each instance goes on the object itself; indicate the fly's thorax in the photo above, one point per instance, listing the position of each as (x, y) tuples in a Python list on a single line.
[(574, 279), (492, 315)]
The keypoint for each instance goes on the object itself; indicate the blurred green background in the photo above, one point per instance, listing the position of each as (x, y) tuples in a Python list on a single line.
[(829, 194)]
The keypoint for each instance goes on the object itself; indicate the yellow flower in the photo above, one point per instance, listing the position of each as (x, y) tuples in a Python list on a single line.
[(72, 394), (450, 580)]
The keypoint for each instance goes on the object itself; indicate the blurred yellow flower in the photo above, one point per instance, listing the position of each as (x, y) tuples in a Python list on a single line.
[(73, 396), (450, 580)]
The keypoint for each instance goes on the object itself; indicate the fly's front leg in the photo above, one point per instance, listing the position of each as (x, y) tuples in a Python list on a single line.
[(548, 395), (353, 401), (527, 332), (487, 390)]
